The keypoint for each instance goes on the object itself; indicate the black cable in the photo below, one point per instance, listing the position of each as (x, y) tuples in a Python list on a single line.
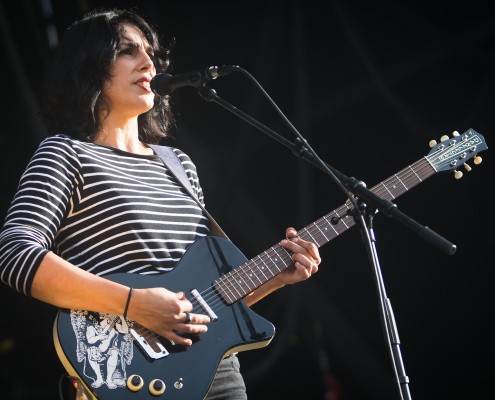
[(62, 377)]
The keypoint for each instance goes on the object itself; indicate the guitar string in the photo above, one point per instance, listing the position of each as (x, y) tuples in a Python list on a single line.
[(408, 178)]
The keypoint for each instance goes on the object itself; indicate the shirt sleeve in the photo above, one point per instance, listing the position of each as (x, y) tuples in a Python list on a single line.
[(37, 211)]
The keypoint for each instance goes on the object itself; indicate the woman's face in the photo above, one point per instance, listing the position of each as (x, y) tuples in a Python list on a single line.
[(128, 91)]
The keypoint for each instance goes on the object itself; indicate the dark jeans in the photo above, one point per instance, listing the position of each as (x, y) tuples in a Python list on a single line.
[(228, 383)]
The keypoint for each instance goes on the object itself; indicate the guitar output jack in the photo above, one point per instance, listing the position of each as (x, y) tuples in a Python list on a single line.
[(179, 384)]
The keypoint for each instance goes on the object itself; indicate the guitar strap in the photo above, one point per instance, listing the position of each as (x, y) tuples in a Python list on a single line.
[(173, 163)]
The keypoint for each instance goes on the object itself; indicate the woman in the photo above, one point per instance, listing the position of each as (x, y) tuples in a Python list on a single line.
[(95, 199)]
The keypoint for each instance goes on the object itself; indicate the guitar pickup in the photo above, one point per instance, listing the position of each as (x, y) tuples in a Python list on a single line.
[(154, 349), (204, 305)]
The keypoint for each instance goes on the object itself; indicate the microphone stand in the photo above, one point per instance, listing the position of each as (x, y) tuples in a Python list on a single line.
[(366, 205)]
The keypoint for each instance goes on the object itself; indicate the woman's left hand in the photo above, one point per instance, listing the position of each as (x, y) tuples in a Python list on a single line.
[(305, 255)]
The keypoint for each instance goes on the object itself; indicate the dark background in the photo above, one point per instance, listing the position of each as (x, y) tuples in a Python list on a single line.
[(368, 85)]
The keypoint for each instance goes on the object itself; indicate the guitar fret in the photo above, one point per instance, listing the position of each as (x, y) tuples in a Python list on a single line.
[(241, 283), (265, 266), (248, 280), (343, 218), (321, 232), (277, 262), (396, 186), (273, 262), (386, 188), (318, 235), (287, 255), (398, 189), (262, 271), (414, 173), (392, 186), (329, 224), (239, 294), (315, 234), (343, 225), (321, 235), (402, 181), (253, 274), (312, 239), (222, 285)]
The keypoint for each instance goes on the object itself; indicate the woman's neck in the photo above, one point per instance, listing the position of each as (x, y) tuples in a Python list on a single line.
[(122, 136)]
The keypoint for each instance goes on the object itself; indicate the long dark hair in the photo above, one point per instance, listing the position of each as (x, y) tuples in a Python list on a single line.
[(81, 65)]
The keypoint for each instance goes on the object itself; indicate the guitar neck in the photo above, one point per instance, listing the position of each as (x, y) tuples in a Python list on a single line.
[(236, 284)]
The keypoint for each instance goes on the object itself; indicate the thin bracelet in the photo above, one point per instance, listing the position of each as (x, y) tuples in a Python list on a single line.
[(127, 302)]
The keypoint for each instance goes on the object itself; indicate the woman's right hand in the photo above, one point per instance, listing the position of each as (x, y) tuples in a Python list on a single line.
[(165, 312)]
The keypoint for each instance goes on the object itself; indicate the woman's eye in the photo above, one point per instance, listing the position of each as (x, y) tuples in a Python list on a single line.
[(129, 51)]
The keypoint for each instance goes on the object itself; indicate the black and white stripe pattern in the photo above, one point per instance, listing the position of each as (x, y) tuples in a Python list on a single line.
[(102, 209)]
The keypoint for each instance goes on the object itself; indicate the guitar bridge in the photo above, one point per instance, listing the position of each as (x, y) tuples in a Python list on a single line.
[(204, 305)]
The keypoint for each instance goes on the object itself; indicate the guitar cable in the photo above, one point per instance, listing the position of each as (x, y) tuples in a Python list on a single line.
[(71, 390), (60, 386)]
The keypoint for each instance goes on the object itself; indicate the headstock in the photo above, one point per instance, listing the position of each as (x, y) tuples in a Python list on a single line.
[(451, 153)]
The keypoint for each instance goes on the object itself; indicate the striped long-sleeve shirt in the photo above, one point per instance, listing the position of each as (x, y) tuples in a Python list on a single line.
[(102, 209)]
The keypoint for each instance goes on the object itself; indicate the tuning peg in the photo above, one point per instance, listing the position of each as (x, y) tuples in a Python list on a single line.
[(432, 143), (457, 174), (477, 160), (467, 167), (455, 134), (444, 137)]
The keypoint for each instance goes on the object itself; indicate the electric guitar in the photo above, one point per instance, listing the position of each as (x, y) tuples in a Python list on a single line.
[(139, 364)]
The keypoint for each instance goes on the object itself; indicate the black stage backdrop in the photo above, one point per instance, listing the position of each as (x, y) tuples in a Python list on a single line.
[(368, 85)]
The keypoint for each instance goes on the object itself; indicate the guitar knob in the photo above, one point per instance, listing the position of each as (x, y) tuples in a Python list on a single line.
[(157, 387), (432, 143), (444, 137), (458, 174), (455, 134), (467, 167), (135, 383), (477, 160)]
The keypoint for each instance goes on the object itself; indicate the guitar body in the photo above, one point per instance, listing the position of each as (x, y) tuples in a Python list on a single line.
[(186, 371)]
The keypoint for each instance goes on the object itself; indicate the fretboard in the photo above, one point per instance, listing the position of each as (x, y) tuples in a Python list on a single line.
[(238, 283)]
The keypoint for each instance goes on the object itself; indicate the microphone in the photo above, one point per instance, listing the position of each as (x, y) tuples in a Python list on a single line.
[(165, 84)]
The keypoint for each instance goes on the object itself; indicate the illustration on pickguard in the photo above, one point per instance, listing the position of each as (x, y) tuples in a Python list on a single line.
[(104, 345)]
